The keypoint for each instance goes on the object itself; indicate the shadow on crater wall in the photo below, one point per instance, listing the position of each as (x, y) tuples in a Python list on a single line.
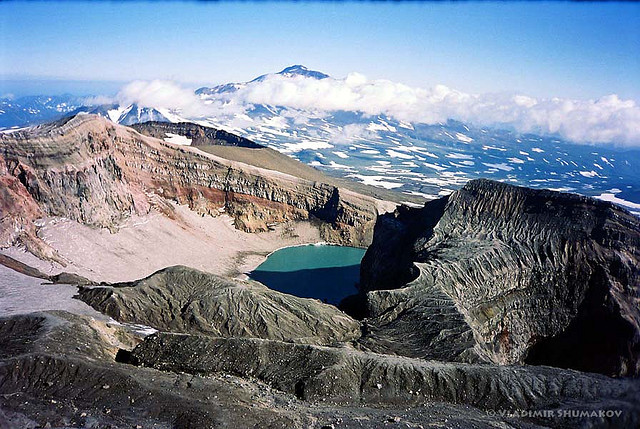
[(330, 285)]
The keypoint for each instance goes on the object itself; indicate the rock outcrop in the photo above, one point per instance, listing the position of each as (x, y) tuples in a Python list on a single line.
[(507, 275), (181, 299), (198, 134), (95, 172), (347, 377), (60, 370)]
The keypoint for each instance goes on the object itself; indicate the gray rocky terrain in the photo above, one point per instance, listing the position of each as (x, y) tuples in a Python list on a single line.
[(60, 370), (64, 370), (348, 377), (497, 306), (517, 276), (181, 299)]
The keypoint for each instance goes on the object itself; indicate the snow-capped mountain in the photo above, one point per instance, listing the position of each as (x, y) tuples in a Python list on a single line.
[(411, 157), (289, 72), (429, 160), (294, 71), (125, 115), (34, 110)]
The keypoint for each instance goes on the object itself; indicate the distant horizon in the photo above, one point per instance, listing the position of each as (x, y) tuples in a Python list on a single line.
[(562, 68), (608, 119), (34, 86), (31, 85), (26, 86), (13, 86)]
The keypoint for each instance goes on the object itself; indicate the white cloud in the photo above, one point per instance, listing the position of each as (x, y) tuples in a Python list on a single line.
[(606, 120), (158, 94), (162, 94), (98, 100)]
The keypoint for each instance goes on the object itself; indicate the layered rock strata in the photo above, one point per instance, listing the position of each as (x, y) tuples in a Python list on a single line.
[(90, 170), (535, 276)]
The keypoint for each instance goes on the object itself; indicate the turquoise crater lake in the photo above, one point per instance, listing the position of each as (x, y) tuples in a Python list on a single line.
[(328, 273)]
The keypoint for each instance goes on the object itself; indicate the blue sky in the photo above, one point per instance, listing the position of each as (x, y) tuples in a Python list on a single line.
[(540, 49)]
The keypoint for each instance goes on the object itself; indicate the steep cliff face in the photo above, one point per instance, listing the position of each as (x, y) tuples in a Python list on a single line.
[(98, 173), (198, 134), (537, 276), (17, 207)]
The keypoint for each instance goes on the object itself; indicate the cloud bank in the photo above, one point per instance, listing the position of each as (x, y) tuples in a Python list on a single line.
[(606, 120), (169, 95)]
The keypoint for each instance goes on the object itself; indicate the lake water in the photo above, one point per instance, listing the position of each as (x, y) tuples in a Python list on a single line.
[(328, 273)]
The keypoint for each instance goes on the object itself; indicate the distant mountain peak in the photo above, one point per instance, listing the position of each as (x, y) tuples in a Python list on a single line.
[(300, 70), (291, 71), (122, 114)]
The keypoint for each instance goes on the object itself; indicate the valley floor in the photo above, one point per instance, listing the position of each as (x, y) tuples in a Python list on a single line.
[(145, 244)]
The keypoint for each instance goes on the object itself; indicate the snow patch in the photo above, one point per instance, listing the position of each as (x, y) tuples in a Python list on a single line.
[(177, 139), (394, 154), (463, 138), (515, 160), (377, 181), (305, 145), (606, 196), (434, 166), (459, 156), (606, 161), (486, 147), (115, 114), (502, 166)]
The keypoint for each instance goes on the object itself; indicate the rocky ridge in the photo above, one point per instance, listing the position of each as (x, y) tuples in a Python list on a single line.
[(181, 299), (62, 370), (527, 276), (198, 134), (348, 377), (95, 172), (59, 369)]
